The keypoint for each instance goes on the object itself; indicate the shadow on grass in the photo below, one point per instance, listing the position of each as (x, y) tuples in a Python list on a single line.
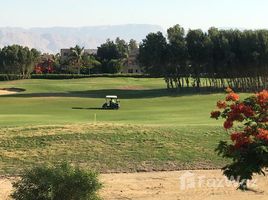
[(121, 93), (80, 108)]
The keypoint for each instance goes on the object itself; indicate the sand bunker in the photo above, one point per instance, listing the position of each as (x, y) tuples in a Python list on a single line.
[(183, 185), (6, 91)]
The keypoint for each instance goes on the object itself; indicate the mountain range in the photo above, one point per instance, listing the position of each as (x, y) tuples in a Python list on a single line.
[(51, 40)]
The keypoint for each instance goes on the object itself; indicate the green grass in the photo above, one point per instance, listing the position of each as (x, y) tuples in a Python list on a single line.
[(143, 101), (155, 129)]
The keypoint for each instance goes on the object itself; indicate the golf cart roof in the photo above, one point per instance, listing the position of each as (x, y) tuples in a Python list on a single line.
[(111, 97)]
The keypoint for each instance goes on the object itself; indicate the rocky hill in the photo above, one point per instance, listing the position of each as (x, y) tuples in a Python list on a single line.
[(51, 40)]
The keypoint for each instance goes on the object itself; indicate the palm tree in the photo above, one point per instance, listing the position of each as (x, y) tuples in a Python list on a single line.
[(76, 57), (89, 62)]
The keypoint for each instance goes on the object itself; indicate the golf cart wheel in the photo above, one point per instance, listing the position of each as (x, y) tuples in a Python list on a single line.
[(104, 106)]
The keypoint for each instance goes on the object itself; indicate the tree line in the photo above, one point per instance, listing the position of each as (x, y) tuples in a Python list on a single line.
[(214, 59), (110, 58), (19, 60)]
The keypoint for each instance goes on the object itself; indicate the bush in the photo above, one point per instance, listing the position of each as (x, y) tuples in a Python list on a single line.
[(56, 183), (249, 147)]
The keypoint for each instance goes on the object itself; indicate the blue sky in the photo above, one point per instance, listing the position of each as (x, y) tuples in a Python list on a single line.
[(188, 13)]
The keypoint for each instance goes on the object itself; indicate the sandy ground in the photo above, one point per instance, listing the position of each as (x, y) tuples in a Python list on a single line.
[(179, 185), (6, 92)]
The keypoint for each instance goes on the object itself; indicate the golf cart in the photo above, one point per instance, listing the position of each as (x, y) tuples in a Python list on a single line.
[(112, 102)]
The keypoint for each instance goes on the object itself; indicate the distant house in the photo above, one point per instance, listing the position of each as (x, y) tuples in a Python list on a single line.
[(91, 51), (132, 65), (65, 53)]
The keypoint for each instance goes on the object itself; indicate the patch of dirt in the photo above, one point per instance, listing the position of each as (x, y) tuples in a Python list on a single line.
[(6, 91), (5, 188), (183, 185)]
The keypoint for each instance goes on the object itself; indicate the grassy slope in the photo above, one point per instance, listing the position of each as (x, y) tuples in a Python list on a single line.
[(109, 147), (154, 130)]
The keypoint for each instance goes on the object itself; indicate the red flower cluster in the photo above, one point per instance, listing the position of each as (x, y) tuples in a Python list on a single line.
[(244, 110), (232, 97), (241, 108), (215, 114), (38, 70), (263, 134), (240, 139), (221, 104), (249, 143), (238, 112), (228, 124), (44, 67), (247, 111), (262, 98), (235, 114)]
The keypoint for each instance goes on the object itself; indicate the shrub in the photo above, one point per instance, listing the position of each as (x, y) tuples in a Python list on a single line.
[(249, 147), (56, 183)]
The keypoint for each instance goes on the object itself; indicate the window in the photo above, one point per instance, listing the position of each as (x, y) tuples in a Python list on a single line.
[(130, 71)]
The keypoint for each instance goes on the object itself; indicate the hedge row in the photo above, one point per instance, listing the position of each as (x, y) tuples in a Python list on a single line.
[(75, 76), (10, 77)]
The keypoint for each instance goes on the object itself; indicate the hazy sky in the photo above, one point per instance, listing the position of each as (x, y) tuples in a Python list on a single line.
[(188, 13)]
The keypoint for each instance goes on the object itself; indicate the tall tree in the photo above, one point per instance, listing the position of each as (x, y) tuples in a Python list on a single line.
[(122, 47), (152, 53), (89, 62), (177, 57), (108, 51), (198, 45), (132, 45), (76, 57), (113, 55), (20, 60)]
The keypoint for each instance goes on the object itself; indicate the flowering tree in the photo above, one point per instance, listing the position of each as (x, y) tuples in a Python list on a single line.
[(46, 64), (249, 140)]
